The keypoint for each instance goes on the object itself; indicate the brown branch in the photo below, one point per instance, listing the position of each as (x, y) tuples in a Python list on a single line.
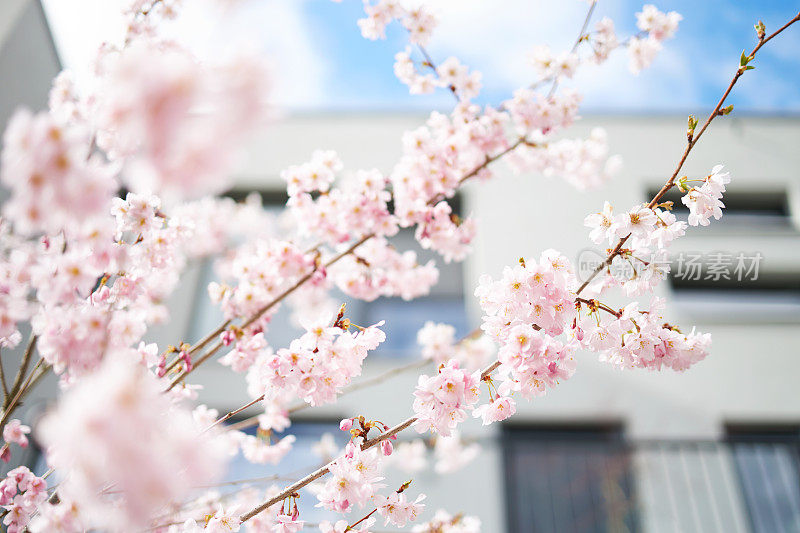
[(474, 172), (581, 35), (429, 63), (299, 283), (3, 381), (692, 141), (23, 369), (313, 476), (30, 382), (363, 384)]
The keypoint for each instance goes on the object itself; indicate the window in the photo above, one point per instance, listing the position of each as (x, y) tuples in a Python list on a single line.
[(568, 479), (750, 274), (768, 464), (772, 298)]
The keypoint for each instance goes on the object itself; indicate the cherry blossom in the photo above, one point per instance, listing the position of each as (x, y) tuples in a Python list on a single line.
[(444, 522), (21, 492), (638, 339), (16, 432), (315, 366), (452, 454), (441, 401), (496, 410), (409, 457), (48, 163), (146, 112), (92, 272), (397, 509), (706, 201), (115, 426), (659, 25), (355, 476)]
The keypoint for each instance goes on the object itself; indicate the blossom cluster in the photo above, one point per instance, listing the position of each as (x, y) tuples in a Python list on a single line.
[(655, 27), (260, 269), (642, 339), (356, 208), (648, 232), (53, 177), (354, 478), (439, 344), (316, 365), (116, 427), (531, 293), (706, 201), (444, 522), (99, 290), (398, 509), (379, 269), (174, 122), (418, 21), (21, 493), (442, 401)]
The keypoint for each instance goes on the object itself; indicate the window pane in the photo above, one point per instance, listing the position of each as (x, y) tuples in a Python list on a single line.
[(568, 481), (769, 471)]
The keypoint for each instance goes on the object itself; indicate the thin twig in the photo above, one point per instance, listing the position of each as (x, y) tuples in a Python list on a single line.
[(578, 41), (299, 283), (24, 389), (3, 380), (474, 172), (313, 476), (691, 142), (23, 369)]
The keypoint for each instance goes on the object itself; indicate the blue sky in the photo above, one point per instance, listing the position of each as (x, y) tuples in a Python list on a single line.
[(322, 62)]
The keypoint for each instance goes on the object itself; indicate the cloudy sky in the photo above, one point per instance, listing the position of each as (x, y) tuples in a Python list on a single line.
[(320, 60)]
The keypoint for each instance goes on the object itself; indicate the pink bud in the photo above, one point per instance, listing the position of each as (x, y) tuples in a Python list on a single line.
[(346, 424), (386, 447), (162, 367), (227, 337)]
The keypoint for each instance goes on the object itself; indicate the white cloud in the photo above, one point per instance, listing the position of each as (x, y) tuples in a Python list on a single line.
[(275, 28)]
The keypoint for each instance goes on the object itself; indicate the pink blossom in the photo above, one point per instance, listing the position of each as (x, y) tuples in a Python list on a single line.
[(498, 409), (104, 431), (288, 524), (397, 509), (15, 432), (354, 478), (441, 401), (706, 201)]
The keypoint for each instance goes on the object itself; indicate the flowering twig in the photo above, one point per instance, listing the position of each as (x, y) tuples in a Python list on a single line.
[(299, 283), (363, 384), (32, 379), (313, 476), (429, 63), (691, 142), (216, 347), (578, 41)]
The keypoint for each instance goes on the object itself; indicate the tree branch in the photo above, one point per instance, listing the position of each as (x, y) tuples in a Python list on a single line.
[(692, 141)]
